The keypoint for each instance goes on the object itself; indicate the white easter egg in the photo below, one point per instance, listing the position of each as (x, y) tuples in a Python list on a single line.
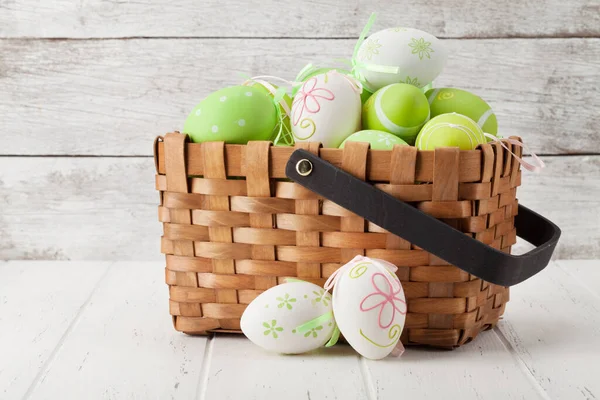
[(369, 306), (419, 57), (326, 109), (271, 320)]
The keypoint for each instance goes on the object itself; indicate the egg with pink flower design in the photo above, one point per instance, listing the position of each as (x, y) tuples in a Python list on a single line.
[(327, 109), (369, 306)]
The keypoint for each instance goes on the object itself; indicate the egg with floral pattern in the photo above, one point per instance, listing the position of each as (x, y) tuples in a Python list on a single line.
[(369, 306), (272, 320), (419, 57), (326, 109)]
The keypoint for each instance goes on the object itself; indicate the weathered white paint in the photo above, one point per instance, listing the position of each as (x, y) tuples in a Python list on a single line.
[(112, 97), (118, 343), (106, 208), (79, 209), (272, 18), (40, 304), (552, 324), (483, 369), (324, 374), (124, 345)]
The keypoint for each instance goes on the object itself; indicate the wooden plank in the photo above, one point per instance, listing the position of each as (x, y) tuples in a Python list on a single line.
[(124, 345), (57, 98), (567, 192), (40, 303), (552, 324), (79, 209), (106, 208), (325, 374), (586, 272), (454, 18), (483, 369)]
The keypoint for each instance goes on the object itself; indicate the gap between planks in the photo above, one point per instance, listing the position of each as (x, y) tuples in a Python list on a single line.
[(205, 368), (524, 368), (89, 39)]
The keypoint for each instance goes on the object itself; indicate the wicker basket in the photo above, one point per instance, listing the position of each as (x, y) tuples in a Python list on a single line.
[(234, 226)]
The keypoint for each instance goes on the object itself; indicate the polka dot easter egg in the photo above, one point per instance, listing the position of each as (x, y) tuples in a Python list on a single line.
[(271, 321), (369, 306), (400, 109), (235, 114), (326, 109), (449, 100), (450, 130), (378, 140), (419, 57)]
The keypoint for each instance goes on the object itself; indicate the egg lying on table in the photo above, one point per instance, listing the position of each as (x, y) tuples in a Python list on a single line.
[(419, 57), (370, 306), (326, 109), (235, 114), (271, 320)]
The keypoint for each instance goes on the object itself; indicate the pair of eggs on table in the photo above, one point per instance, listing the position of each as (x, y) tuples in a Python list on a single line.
[(368, 306)]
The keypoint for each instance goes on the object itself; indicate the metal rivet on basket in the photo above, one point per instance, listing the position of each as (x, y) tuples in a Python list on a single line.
[(304, 167)]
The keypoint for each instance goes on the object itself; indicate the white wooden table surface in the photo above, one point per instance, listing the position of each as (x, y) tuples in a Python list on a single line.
[(89, 330)]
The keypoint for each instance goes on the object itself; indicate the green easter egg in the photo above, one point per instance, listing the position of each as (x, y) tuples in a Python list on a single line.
[(379, 140), (450, 130), (448, 100), (399, 108), (235, 114)]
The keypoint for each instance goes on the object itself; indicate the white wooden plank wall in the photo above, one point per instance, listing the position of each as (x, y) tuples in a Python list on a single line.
[(85, 86)]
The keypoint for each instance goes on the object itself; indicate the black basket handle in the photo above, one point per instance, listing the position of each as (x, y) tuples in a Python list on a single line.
[(428, 233)]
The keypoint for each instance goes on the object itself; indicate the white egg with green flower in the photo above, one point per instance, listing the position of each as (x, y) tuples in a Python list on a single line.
[(418, 56), (279, 320)]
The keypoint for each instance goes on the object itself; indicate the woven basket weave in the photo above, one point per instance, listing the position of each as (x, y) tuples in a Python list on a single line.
[(234, 226)]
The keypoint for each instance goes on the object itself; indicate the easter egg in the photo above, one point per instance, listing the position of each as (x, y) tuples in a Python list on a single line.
[(364, 95), (271, 320), (369, 306), (419, 57), (326, 109), (448, 100), (379, 140), (235, 114), (450, 130), (399, 108)]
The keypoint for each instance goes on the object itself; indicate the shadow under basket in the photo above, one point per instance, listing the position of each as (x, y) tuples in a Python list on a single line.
[(235, 225)]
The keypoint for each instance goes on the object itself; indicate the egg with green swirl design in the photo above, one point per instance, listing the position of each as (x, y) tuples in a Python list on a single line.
[(327, 109), (369, 306)]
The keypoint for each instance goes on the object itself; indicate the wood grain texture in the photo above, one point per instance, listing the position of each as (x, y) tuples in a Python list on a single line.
[(36, 321), (106, 208), (271, 18), (465, 373), (323, 374), (553, 319), (112, 97), (78, 208), (124, 345)]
